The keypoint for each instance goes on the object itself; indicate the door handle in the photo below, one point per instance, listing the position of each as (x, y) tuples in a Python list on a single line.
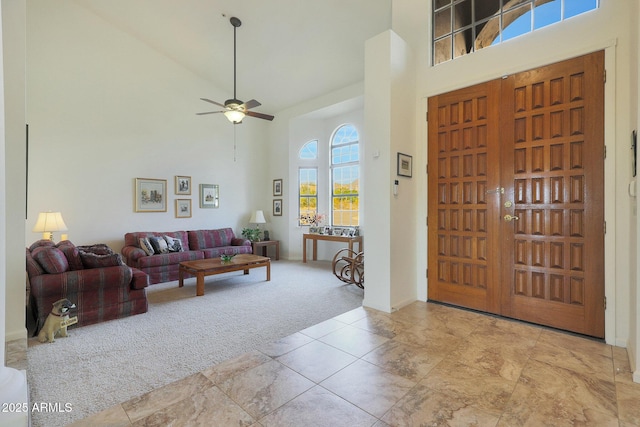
[(510, 218)]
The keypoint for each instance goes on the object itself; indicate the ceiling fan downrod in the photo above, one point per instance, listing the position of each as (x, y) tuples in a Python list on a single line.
[(236, 23)]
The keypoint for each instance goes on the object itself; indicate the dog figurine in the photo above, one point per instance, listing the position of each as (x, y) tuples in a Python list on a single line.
[(57, 321)]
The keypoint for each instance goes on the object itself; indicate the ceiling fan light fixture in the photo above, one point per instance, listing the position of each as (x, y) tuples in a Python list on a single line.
[(234, 116)]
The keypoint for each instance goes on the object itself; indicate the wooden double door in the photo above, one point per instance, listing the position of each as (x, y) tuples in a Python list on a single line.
[(516, 203)]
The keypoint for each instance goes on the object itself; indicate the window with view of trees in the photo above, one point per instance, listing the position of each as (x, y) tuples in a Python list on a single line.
[(308, 184), (345, 177), (308, 191), (464, 26)]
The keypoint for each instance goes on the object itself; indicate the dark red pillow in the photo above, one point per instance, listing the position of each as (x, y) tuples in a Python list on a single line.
[(51, 259), (72, 254), (40, 243)]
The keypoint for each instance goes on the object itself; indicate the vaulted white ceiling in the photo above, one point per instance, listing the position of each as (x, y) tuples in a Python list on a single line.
[(288, 51)]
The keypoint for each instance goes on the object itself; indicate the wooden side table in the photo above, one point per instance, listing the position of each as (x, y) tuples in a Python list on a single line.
[(264, 245)]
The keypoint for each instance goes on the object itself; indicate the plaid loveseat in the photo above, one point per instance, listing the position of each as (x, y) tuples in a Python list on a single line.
[(92, 277), (159, 254)]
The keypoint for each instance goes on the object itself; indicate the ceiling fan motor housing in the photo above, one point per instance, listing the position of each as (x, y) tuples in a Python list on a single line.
[(234, 104)]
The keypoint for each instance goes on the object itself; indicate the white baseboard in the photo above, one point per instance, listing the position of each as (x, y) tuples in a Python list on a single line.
[(20, 334), (620, 343), (402, 304)]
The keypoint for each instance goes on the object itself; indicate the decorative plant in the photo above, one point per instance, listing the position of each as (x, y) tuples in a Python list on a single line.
[(252, 234)]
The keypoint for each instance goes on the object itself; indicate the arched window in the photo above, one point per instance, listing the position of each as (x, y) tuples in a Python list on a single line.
[(464, 26), (345, 177), (309, 150), (308, 184)]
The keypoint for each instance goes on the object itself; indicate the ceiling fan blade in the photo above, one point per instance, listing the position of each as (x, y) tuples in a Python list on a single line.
[(213, 102), (209, 112), (251, 104), (259, 115)]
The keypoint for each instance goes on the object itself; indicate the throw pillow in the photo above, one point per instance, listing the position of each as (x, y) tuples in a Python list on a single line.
[(98, 249), (175, 245), (72, 254), (159, 245), (33, 268), (41, 242), (91, 260), (146, 245), (51, 259)]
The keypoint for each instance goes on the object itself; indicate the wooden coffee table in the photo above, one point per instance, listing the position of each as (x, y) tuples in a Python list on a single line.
[(207, 267)]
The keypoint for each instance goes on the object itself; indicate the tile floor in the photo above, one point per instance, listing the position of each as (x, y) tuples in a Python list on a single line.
[(425, 365)]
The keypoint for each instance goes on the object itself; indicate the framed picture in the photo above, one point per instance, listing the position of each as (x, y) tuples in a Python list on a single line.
[(183, 208), (150, 195), (405, 165), (209, 196), (277, 187), (277, 207), (183, 185)]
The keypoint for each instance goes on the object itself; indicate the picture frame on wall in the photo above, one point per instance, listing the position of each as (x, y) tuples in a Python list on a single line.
[(209, 196), (277, 207), (183, 208), (277, 187), (150, 195), (405, 165), (183, 185)]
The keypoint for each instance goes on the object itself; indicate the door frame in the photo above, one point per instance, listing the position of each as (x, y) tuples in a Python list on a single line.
[(610, 259)]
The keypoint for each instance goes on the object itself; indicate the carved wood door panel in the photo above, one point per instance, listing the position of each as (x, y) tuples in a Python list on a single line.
[(516, 209), (553, 174), (463, 210)]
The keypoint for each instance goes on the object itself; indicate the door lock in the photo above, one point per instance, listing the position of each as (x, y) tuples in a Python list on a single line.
[(509, 218), (508, 204)]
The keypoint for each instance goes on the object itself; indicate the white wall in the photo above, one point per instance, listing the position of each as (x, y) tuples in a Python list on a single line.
[(390, 266), (13, 157), (634, 301), (104, 108), (404, 221), (377, 171)]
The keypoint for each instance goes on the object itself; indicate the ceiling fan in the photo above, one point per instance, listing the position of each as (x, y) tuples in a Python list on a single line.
[(234, 109)]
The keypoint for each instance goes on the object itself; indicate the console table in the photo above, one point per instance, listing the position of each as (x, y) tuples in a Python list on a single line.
[(315, 237)]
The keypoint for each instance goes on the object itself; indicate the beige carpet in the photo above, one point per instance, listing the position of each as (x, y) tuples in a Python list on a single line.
[(108, 363)]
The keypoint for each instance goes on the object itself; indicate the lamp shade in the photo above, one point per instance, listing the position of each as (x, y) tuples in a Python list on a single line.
[(257, 218), (234, 116), (48, 222)]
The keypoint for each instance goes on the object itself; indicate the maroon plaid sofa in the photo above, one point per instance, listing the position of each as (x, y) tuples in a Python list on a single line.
[(163, 264), (92, 277)]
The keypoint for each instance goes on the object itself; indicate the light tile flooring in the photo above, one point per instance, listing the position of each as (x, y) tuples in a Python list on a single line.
[(425, 365)]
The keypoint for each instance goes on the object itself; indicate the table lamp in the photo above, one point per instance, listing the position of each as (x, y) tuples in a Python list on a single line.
[(48, 222), (257, 218)]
